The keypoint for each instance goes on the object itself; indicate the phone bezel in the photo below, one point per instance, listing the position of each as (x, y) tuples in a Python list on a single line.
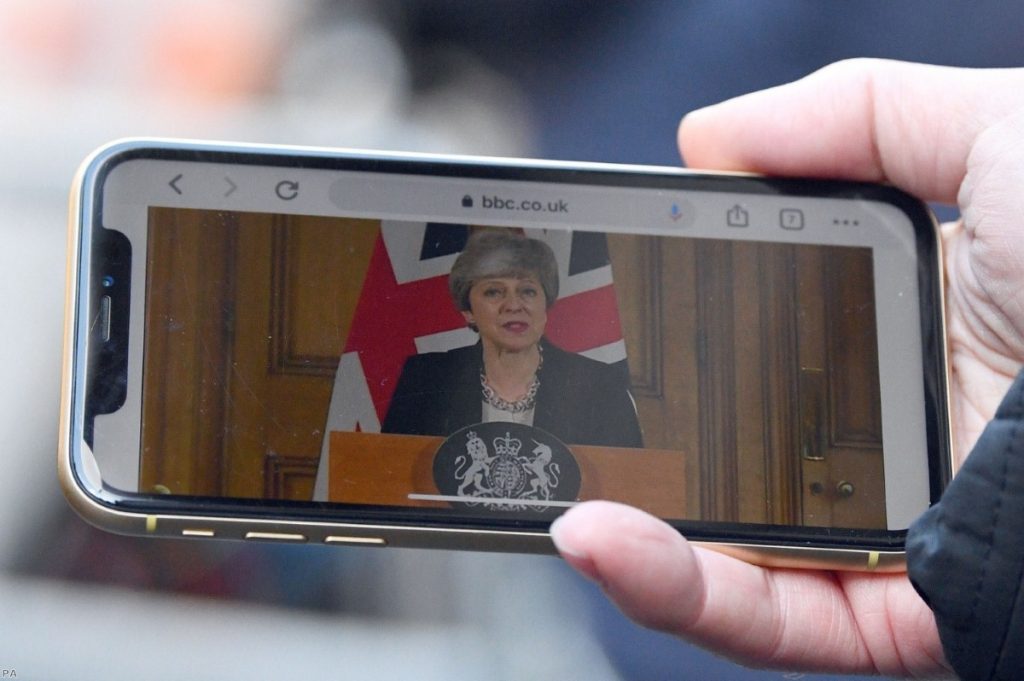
[(123, 513)]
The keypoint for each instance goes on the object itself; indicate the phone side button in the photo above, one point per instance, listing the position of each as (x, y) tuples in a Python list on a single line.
[(198, 533), (355, 541), (275, 536)]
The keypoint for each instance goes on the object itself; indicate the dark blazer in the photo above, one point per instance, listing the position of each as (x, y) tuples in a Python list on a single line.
[(580, 401)]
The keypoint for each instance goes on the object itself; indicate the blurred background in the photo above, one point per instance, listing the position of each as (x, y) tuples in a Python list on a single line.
[(569, 79)]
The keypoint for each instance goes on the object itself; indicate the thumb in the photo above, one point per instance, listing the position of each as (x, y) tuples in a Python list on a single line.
[(795, 619), (645, 566), (658, 579)]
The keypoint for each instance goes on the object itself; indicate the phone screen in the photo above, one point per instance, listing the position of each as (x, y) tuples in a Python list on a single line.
[(494, 347)]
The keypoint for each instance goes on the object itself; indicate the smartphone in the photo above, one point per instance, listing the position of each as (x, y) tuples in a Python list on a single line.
[(356, 348)]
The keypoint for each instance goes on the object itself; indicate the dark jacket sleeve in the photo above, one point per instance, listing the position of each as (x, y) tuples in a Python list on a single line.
[(965, 555), (405, 413), (437, 393), (616, 423), (585, 402)]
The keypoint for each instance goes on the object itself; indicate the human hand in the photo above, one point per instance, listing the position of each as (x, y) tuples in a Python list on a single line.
[(944, 135)]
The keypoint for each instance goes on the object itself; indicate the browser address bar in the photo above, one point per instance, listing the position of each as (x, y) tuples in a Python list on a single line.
[(507, 202)]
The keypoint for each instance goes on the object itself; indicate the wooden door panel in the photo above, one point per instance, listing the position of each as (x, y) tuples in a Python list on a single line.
[(189, 283), (842, 478), (318, 266), (302, 290), (852, 349), (780, 340), (719, 335), (655, 288), (748, 356), (253, 314)]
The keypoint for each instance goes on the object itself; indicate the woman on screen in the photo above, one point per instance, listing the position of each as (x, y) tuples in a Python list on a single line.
[(504, 284)]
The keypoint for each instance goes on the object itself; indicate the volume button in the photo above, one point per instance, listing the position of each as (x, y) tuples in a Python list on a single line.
[(355, 541), (275, 536), (198, 532)]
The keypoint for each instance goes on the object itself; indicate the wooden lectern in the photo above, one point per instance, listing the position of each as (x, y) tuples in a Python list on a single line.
[(373, 468)]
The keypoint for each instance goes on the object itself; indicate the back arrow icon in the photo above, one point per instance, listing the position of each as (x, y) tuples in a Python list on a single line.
[(232, 184), (174, 183)]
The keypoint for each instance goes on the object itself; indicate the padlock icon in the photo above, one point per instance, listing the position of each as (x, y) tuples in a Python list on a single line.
[(467, 201)]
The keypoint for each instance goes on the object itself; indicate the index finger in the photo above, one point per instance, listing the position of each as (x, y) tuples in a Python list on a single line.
[(911, 125)]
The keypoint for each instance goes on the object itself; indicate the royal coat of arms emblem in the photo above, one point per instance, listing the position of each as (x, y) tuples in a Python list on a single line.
[(507, 467)]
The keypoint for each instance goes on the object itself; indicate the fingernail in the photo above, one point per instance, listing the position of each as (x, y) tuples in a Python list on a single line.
[(557, 532), (578, 558), (697, 114)]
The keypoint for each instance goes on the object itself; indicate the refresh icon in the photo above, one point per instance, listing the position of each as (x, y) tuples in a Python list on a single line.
[(287, 190)]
